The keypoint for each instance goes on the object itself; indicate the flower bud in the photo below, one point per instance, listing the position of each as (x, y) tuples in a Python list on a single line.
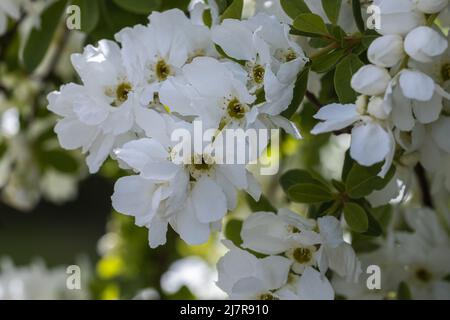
[(398, 17), (386, 51), (424, 43), (371, 80), (431, 6)]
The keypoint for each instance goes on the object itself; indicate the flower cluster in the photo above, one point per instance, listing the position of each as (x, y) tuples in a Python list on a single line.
[(298, 252), (402, 113), (419, 258), (165, 76)]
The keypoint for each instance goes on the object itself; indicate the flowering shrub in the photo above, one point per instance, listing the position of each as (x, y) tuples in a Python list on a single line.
[(327, 74)]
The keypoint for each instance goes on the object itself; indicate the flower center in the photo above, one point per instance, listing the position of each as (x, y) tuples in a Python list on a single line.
[(423, 275), (445, 72), (290, 55), (302, 255), (258, 74), (120, 93), (236, 109), (267, 296), (198, 166), (162, 70)]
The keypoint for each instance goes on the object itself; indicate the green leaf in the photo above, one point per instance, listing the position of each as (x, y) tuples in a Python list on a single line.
[(374, 229), (180, 4), (207, 18), (327, 62), (348, 164), (139, 6), (309, 193), (356, 217), (300, 87), (3, 148), (299, 176), (343, 76), (357, 14), (332, 8), (39, 39), (339, 186), (403, 292), (362, 181), (60, 160), (310, 23), (369, 37), (234, 10), (233, 231), (293, 8), (90, 14), (262, 205)]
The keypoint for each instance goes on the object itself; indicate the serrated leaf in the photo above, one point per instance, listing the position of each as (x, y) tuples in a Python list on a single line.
[(343, 76), (332, 8), (310, 23), (234, 10), (40, 38), (139, 6), (309, 193), (356, 217), (294, 8), (90, 14), (300, 87), (233, 231)]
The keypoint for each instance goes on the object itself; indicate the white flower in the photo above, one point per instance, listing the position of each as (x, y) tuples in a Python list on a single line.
[(8, 8), (372, 138), (398, 17), (272, 59), (213, 91), (288, 233), (167, 191), (413, 91), (386, 51), (311, 285), (424, 44), (431, 6), (243, 276), (431, 141), (153, 53)]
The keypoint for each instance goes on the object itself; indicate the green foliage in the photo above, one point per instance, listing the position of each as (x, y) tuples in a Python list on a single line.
[(60, 160), (356, 217), (309, 193), (233, 231), (234, 10), (300, 87), (362, 181), (343, 75), (404, 292), (293, 8), (310, 24), (332, 9), (39, 39), (326, 63), (357, 14), (90, 14), (262, 205), (139, 6)]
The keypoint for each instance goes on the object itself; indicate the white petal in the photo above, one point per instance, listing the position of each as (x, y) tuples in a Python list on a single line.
[(209, 200), (370, 144), (189, 227), (312, 286), (335, 117), (416, 85)]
